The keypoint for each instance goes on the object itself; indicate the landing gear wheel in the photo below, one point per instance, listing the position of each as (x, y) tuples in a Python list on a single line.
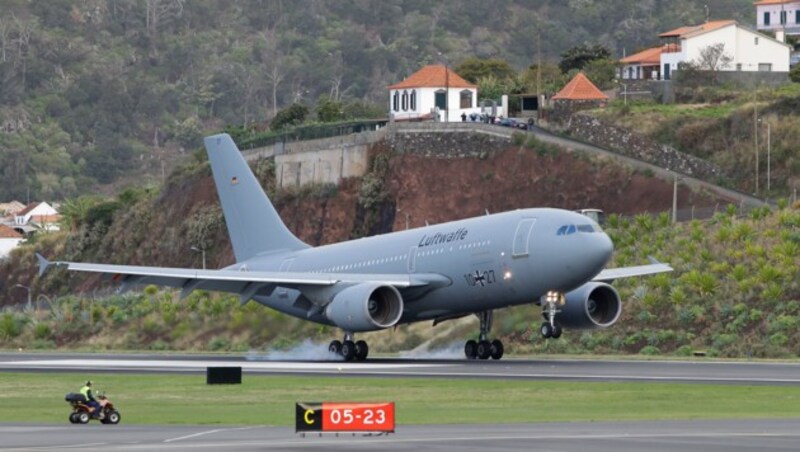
[(73, 418), (362, 350), (484, 349), (496, 350), (82, 417), (471, 349), (556, 331), (348, 350), (335, 347), (546, 330), (112, 417)]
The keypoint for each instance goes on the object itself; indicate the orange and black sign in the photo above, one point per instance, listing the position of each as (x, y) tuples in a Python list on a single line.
[(344, 417)]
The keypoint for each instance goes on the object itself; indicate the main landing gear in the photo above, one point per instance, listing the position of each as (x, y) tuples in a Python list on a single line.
[(483, 349), (348, 349), (550, 328)]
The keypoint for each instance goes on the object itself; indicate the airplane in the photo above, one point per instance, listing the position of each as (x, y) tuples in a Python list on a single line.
[(548, 257)]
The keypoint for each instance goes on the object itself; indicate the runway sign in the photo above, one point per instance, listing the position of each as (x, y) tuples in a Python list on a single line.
[(344, 417)]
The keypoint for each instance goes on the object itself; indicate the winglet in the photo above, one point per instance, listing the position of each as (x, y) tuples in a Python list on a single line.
[(43, 264)]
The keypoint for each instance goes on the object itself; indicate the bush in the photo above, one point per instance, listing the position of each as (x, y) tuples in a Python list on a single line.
[(794, 74), (649, 350)]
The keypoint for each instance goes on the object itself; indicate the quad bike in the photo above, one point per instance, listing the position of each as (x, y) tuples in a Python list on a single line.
[(82, 412)]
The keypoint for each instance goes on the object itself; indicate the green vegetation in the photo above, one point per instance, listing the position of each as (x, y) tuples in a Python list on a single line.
[(108, 91), (734, 294), (716, 123), (267, 400)]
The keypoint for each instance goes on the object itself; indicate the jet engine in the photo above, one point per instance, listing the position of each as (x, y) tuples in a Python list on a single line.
[(365, 307), (593, 305)]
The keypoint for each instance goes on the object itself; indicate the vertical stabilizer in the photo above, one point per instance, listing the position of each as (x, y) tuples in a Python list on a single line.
[(253, 223)]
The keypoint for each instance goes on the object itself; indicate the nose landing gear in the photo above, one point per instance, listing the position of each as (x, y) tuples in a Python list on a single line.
[(483, 348), (550, 328)]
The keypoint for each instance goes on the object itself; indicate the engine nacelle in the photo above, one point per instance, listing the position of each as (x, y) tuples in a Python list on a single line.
[(593, 305), (365, 307)]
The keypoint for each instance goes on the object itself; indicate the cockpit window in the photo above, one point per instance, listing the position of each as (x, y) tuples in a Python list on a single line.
[(569, 229)]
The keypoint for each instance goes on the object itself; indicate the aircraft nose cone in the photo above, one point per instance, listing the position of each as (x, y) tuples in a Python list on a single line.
[(602, 249)]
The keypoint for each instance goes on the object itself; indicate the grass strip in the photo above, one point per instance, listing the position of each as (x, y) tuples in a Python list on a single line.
[(269, 400)]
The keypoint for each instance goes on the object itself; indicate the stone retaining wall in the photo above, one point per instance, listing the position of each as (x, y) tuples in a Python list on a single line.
[(622, 141)]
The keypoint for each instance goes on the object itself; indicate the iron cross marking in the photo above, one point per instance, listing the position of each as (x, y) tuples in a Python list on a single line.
[(480, 278)]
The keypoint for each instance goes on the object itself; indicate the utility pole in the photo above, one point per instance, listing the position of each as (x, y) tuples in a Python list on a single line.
[(755, 134), (769, 150), (675, 199)]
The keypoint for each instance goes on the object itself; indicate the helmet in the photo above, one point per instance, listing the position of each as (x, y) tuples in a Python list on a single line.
[(88, 382)]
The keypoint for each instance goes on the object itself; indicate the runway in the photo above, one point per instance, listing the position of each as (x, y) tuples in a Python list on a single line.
[(711, 372), (739, 435), (717, 435)]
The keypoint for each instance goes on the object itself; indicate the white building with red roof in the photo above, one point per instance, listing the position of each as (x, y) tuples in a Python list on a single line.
[(779, 16), (39, 214), (9, 239), (434, 92), (749, 50)]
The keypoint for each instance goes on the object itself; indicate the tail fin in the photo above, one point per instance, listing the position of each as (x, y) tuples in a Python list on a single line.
[(253, 223)]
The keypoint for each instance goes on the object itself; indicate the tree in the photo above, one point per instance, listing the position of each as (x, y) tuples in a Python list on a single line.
[(329, 110), (713, 58), (473, 69), (794, 74), (601, 72), (579, 56), (290, 116)]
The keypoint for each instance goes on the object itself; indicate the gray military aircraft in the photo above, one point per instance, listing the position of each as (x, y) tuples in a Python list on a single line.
[(547, 257)]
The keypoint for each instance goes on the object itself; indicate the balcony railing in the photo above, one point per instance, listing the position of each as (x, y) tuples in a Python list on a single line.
[(789, 29)]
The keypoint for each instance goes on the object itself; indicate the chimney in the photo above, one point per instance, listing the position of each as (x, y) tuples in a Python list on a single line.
[(780, 35)]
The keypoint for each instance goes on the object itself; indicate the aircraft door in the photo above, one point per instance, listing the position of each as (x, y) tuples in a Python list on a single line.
[(522, 238), (412, 259)]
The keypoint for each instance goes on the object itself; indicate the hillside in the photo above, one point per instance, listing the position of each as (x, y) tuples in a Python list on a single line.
[(734, 293), (97, 95), (717, 124)]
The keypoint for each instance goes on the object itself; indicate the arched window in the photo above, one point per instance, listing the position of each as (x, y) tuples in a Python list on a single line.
[(413, 101), (405, 100), (466, 99), (396, 101)]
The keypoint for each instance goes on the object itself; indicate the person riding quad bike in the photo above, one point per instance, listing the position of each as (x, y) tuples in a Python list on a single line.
[(89, 394), (83, 411)]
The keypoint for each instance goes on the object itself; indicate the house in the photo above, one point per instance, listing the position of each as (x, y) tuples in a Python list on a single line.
[(644, 65), (9, 239), (434, 92), (749, 50), (10, 208), (778, 16), (39, 215), (579, 94)]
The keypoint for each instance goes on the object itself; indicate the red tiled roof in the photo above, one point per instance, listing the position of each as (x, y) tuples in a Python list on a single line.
[(772, 2), (8, 233), (433, 76), (580, 88), (697, 29), (27, 209), (650, 56)]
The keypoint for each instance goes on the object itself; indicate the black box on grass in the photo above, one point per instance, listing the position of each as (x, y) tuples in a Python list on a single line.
[(223, 375)]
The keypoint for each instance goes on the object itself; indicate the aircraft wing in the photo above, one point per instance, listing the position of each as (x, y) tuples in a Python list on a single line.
[(610, 274), (245, 283)]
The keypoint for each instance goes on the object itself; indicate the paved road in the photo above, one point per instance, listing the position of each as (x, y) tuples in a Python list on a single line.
[(749, 373), (738, 435)]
